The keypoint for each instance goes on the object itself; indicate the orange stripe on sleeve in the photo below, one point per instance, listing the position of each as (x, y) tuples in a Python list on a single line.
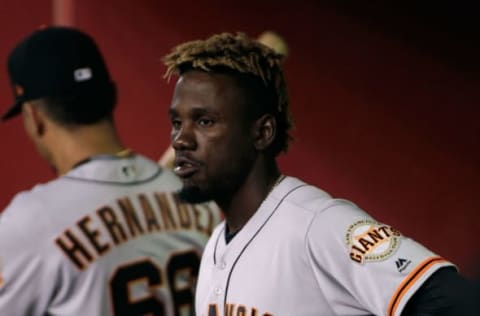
[(409, 281)]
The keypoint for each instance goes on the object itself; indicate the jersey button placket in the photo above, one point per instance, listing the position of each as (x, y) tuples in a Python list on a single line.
[(218, 291), (221, 265), (221, 273)]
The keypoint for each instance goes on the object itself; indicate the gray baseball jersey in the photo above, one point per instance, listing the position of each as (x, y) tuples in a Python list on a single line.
[(304, 253), (108, 238)]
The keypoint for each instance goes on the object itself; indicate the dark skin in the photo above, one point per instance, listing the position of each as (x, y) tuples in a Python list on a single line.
[(220, 149)]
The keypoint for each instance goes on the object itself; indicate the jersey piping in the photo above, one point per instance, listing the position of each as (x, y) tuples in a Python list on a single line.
[(409, 281), (251, 239), (98, 159), (152, 177)]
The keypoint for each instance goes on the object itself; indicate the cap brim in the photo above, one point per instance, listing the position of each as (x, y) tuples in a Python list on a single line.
[(14, 110)]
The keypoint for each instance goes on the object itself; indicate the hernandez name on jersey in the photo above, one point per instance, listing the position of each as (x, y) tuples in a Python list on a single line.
[(108, 238), (334, 260)]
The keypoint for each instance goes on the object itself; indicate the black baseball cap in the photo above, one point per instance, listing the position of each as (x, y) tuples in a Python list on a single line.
[(56, 61)]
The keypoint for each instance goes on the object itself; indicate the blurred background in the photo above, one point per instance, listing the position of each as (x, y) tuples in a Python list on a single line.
[(384, 94)]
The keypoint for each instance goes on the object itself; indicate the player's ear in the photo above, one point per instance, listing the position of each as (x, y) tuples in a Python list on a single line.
[(33, 119), (265, 129)]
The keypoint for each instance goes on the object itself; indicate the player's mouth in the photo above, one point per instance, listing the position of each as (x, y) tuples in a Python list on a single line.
[(185, 167)]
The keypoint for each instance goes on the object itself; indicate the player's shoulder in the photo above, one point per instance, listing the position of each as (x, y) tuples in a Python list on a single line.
[(301, 195), (168, 176), (28, 199), (23, 215)]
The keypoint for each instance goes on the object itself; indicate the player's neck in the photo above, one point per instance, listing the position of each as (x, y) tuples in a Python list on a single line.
[(69, 147), (244, 203)]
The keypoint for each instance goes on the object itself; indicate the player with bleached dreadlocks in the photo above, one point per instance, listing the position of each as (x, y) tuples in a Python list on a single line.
[(285, 247), (256, 65)]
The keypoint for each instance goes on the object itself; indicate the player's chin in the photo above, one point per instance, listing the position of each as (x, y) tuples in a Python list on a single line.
[(193, 194)]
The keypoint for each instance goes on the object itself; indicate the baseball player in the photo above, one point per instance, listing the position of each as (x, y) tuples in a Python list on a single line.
[(286, 247), (109, 236)]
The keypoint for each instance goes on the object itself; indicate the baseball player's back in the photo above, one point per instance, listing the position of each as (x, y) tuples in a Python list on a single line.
[(108, 238)]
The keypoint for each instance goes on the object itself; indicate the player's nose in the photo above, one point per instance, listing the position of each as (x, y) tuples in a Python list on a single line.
[(184, 138)]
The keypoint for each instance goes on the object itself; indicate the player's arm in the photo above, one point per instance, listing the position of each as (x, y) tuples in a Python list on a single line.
[(379, 269), (25, 279), (16, 270), (445, 293)]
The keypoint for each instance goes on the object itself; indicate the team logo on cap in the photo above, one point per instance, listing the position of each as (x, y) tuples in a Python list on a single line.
[(368, 240), (82, 74)]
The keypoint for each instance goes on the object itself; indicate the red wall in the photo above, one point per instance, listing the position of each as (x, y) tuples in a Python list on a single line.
[(379, 121)]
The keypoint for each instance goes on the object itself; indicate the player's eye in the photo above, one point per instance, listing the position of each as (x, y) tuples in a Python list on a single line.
[(176, 123), (205, 122)]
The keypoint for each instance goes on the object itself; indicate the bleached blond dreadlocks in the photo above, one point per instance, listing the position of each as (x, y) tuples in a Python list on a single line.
[(238, 54)]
